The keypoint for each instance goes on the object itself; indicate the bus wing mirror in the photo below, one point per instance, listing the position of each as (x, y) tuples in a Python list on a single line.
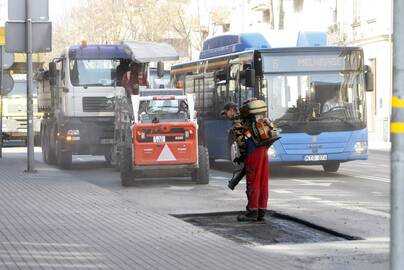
[(368, 78), (249, 77), (160, 69), (52, 73)]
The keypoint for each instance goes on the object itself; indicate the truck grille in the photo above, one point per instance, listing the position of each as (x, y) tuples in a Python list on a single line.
[(96, 104)]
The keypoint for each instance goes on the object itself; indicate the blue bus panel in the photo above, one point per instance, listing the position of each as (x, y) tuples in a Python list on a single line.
[(302, 148)]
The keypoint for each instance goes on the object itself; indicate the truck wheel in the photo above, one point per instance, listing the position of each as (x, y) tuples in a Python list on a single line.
[(201, 175), (37, 140), (126, 166), (48, 154), (331, 167), (45, 147), (64, 158), (108, 157)]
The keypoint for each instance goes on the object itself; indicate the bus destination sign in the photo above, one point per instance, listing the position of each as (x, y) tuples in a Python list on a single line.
[(302, 63)]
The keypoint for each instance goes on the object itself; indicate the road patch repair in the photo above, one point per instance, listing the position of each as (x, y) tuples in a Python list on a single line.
[(278, 229)]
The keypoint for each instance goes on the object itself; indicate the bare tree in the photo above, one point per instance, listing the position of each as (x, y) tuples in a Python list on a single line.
[(110, 21)]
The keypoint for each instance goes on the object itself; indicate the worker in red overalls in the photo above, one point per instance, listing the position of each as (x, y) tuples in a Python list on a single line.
[(134, 78), (254, 154)]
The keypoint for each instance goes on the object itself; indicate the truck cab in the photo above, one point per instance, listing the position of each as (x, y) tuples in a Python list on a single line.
[(73, 96)]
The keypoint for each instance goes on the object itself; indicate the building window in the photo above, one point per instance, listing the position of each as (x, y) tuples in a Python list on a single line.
[(356, 11), (266, 16), (298, 5), (371, 11)]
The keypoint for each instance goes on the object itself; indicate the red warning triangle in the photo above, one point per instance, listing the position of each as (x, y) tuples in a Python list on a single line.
[(166, 154)]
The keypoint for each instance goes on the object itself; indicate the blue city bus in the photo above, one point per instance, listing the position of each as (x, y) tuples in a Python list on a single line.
[(315, 95)]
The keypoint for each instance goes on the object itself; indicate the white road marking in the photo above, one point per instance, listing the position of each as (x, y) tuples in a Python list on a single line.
[(309, 198), (281, 191), (179, 188), (347, 207), (357, 208), (311, 183), (369, 177), (220, 177)]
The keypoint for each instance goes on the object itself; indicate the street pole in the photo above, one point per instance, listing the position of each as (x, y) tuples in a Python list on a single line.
[(30, 127), (397, 136), (1, 101)]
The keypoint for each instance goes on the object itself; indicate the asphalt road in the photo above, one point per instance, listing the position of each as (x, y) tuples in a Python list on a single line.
[(353, 201)]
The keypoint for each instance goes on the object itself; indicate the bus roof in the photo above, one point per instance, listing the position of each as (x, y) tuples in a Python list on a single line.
[(310, 49), (231, 43), (215, 58), (97, 51), (271, 50)]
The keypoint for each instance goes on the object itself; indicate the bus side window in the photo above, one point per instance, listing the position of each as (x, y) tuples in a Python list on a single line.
[(189, 84), (220, 97), (198, 87), (208, 93), (232, 92)]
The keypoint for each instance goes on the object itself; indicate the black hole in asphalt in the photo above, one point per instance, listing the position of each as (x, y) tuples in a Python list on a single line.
[(278, 228)]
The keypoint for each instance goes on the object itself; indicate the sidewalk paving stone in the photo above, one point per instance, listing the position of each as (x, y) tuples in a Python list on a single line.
[(50, 220)]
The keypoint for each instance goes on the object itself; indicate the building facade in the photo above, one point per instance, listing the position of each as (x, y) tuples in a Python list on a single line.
[(368, 24)]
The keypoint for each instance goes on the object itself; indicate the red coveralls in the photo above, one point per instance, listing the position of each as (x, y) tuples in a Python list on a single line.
[(257, 166)]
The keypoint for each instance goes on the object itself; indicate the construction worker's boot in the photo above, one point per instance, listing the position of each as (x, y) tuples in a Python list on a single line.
[(261, 215), (249, 215)]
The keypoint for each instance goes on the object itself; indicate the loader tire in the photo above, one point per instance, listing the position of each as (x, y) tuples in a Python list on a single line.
[(201, 175), (126, 166)]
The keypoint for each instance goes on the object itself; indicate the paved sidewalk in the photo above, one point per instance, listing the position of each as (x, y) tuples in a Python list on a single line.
[(50, 220)]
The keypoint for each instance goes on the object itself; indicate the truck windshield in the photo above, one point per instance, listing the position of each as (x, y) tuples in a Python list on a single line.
[(93, 72)]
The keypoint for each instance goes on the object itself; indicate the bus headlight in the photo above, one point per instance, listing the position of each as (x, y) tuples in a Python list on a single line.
[(272, 152), (361, 147)]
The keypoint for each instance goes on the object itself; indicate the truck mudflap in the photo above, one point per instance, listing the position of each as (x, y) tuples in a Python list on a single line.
[(165, 144)]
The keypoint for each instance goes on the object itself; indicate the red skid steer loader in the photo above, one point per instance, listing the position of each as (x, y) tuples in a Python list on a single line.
[(164, 138)]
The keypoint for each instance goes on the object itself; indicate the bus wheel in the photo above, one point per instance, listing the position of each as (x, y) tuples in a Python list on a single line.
[(331, 167), (126, 166), (201, 175)]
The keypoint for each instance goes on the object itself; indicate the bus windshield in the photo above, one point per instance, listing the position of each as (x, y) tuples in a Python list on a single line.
[(324, 101), (93, 72), (315, 92)]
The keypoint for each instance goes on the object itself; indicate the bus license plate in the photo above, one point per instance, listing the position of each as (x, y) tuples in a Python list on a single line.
[(315, 157), (158, 139)]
